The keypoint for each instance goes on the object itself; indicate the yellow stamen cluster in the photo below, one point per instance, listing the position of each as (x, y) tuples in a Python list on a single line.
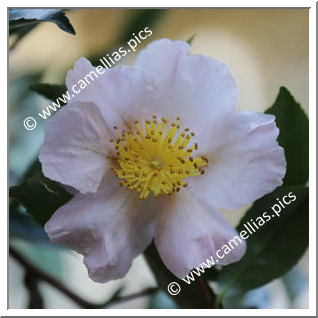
[(156, 160)]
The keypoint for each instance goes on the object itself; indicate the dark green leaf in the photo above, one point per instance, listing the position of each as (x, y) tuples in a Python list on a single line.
[(275, 247), (50, 91), (20, 32), (40, 196), (33, 169), (195, 295), (19, 18), (293, 136), (212, 274)]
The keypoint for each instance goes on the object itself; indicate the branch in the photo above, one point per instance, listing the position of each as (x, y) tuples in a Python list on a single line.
[(145, 292), (41, 275)]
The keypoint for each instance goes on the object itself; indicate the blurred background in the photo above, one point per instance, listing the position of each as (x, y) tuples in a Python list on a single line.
[(265, 48)]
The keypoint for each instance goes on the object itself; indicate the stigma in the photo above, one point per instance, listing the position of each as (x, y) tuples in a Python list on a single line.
[(156, 157)]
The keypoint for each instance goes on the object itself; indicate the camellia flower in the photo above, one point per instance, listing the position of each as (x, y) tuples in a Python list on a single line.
[(153, 151)]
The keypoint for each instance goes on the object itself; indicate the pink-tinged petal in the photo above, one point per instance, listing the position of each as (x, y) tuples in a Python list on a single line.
[(75, 81), (193, 87), (109, 228), (119, 92), (162, 58), (189, 232), (75, 147), (245, 160)]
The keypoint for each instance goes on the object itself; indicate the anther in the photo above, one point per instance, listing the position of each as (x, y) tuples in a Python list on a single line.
[(158, 166)]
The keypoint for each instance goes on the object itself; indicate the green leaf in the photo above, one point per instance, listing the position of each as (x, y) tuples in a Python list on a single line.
[(212, 274), (20, 32), (19, 18), (40, 196), (50, 91), (196, 295), (34, 168), (293, 136), (275, 247)]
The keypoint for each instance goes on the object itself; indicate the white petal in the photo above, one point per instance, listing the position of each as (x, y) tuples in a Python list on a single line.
[(82, 68), (161, 59), (119, 92), (109, 228), (245, 160), (189, 232), (194, 87), (75, 147)]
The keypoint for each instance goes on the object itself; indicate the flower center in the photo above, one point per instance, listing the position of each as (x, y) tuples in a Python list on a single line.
[(157, 158)]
